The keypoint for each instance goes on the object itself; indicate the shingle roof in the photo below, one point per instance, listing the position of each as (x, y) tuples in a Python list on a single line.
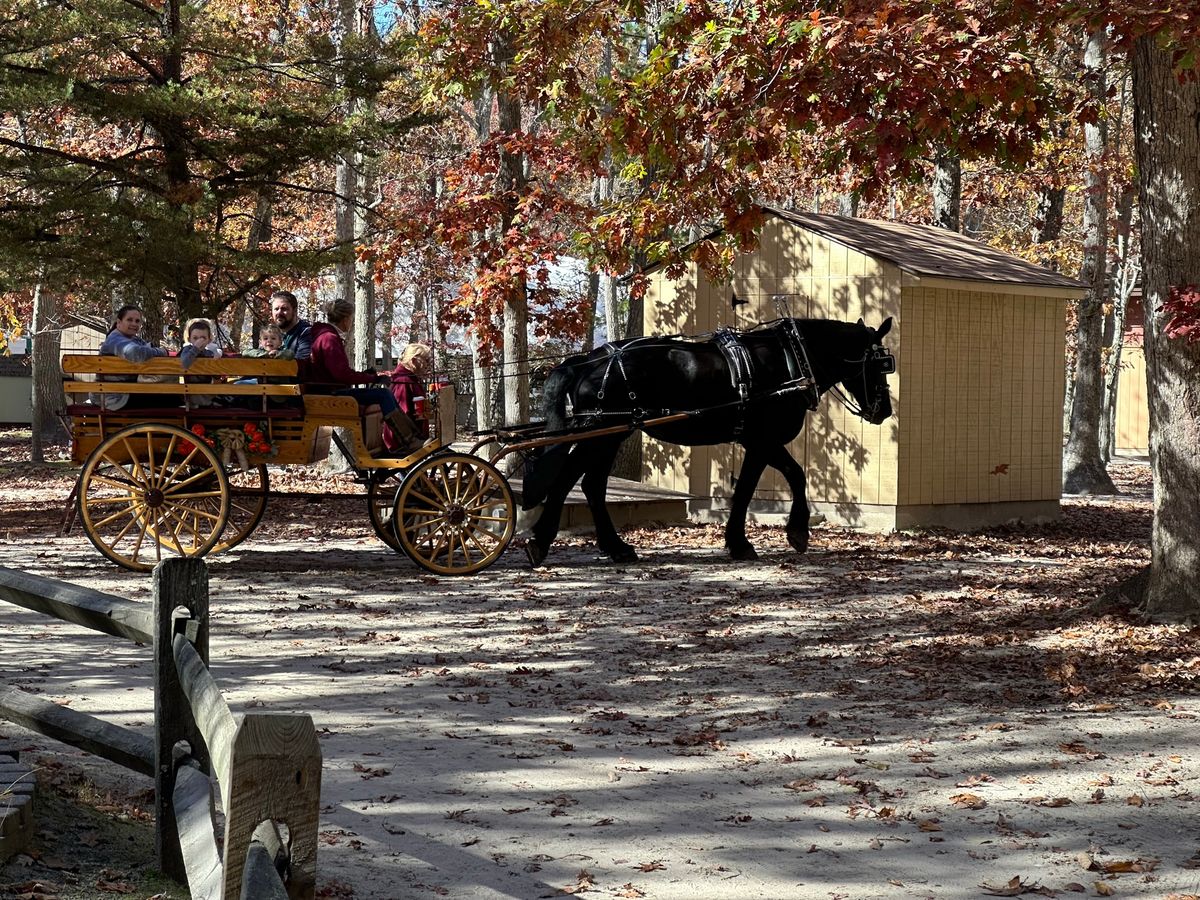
[(926, 250)]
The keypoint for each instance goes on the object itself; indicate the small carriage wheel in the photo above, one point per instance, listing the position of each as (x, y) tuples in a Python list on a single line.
[(454, 514), (151, 491), (248, 492), (381, 498)]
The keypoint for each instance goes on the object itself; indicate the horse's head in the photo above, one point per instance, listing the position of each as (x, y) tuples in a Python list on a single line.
[(866, 370)]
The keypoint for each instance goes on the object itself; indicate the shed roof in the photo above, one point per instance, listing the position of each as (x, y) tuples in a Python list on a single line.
[(926, 250)]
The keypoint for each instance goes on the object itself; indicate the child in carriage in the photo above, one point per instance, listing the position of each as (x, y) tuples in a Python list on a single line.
[(270, 345), (198, 334)]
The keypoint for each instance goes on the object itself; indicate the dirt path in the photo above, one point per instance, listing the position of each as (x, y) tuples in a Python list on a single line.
[(900, 716)]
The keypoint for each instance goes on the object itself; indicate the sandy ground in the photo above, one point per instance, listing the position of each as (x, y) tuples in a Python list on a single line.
[(847, 724)]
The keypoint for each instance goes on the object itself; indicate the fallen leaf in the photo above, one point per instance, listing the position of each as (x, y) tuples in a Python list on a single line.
[(1013, 888), (968, 801)]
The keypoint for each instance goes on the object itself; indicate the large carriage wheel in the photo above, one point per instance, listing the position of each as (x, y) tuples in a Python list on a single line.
[(248, 490), (453, 514), (381, 497), (151, 491)]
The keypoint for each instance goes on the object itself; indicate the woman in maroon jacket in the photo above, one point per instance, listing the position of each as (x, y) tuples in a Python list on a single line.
[(328, 371)]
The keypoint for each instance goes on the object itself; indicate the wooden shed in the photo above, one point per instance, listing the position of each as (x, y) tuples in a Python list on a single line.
[(979, 336)]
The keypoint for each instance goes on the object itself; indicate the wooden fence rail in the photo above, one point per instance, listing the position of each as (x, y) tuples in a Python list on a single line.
[(267, 766)]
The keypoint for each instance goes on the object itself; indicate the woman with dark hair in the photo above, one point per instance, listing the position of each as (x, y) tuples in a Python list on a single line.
[(124, 342), (328, 371)]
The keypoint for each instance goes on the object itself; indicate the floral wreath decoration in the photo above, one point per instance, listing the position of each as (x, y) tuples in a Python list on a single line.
[(235, 443)]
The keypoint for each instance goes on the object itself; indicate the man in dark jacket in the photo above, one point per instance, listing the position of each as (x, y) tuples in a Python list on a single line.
[(296, 331)]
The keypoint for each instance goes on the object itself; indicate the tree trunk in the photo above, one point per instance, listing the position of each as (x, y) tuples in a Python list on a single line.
[(593, 292), (364, 272), (848, 204), (1166, 113), (184, 271), (260, 230), (46, 388), (512, 182), (947, 190), (1083, 468)]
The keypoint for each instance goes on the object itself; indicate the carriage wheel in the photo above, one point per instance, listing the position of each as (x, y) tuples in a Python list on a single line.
[(381, 497), (248, 491), (148, 491), (453, 514)]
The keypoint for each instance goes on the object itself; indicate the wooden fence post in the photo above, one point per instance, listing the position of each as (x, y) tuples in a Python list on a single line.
[(275, 774), (178, 583)]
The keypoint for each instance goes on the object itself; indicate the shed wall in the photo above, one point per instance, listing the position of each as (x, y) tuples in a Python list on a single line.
[(1133, 409), (983, 398), (846, 460)]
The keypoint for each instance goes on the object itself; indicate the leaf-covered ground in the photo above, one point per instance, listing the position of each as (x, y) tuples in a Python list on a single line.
[(908, 715)]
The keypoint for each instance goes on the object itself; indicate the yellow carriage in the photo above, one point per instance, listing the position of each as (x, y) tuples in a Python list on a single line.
[(186, 478)]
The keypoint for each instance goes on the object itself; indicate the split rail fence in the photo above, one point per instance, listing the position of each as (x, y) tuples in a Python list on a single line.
[(267, 765)]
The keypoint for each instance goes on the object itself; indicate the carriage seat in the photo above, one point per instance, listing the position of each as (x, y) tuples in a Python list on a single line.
[(175, 412)]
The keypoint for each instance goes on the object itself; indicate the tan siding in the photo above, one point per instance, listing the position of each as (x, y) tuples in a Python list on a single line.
[(989, 397), (1133, 412)]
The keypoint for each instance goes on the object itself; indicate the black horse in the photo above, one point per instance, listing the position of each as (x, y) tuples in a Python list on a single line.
[(753, 387)]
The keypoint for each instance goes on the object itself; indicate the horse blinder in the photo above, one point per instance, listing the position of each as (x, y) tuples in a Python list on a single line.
[(884, 360)]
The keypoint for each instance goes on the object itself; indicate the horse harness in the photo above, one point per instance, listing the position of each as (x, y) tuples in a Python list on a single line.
[(741, 365), (741, 370)]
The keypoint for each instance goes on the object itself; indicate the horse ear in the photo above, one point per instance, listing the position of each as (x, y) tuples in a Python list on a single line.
[(860, 321), (884, 328)]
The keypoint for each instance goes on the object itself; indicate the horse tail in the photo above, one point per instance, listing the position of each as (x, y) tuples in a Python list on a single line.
[(543, 468)]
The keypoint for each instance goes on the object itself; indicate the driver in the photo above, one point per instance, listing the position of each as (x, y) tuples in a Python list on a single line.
[(296, 331)]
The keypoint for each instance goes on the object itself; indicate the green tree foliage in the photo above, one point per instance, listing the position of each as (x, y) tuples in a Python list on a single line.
[(138, 136)]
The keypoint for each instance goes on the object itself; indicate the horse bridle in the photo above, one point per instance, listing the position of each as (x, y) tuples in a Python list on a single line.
[(887, 366)]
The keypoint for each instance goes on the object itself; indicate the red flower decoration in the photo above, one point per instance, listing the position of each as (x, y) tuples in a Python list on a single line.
[(198, 430), (250, 428)]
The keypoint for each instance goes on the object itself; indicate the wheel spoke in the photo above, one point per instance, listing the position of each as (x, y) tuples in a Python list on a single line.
[(193, 527), (135, 463), (114, 482), (172, 491), (439, 488), (199, 496), (195, 511), (131, 509), (483, 532)]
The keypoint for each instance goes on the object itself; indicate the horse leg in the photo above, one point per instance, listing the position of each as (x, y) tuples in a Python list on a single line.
[(797, 525), (595, 488), (545, 529), (735, 529)]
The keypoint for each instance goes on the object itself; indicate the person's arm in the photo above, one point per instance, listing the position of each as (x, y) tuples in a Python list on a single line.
[(130, 349), (303, 344), (332, 353)]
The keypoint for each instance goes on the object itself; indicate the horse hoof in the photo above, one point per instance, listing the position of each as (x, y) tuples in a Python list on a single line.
[(743, 554), (798, 540), (535, 553)]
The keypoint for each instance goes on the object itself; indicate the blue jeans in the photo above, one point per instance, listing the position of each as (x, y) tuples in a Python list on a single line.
[(367, 396)]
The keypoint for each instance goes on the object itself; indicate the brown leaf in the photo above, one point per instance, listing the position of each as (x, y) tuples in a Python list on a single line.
[(1013, 888), (1129, 865), (968, 801), (653, 866), (928, 825), (628, 890), (1135, 800), (1056, 802), (583, 882), (1103, 888)]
